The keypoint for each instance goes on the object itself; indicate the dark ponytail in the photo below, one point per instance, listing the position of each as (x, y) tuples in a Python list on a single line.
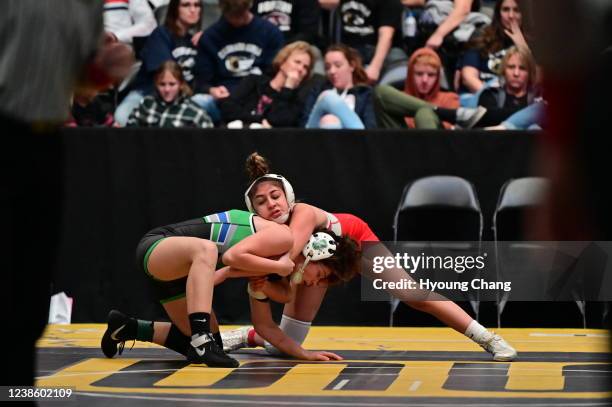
[(344, 264)]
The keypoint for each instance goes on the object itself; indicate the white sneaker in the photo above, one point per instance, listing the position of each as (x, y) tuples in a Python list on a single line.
[(467, 117), (236, 339), (236, 124), (498, 347)]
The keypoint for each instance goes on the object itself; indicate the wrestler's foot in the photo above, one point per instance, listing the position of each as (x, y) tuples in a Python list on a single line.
[(120, 328), (236, 338), (204, 349), (497, 346)]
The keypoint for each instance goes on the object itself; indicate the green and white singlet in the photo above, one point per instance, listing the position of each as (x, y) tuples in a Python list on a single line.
[(229, 228), (225, 229)]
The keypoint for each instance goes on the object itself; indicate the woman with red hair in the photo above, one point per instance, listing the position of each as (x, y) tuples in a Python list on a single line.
[(416, 106)]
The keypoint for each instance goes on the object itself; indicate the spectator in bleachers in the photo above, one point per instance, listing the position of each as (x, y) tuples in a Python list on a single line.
[(344, 101), (413, 107), (172, 41), (518, 106), (170, 105), (238, 45), (441, 18), (210, 11), (481, 61), (516, 93), (126, 19), (446, 25), (370, 26), (298, 20), (262, 101), (496, 104), (90, 110), (533, 117)]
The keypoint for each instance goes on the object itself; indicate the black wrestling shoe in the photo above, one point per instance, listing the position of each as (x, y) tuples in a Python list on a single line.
[(205, 350), (120, 328)]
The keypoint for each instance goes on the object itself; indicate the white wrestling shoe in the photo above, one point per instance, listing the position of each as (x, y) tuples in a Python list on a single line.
[(498, 347), (236, 339)]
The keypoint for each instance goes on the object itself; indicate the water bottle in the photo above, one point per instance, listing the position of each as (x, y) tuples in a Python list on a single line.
[(410, 25)]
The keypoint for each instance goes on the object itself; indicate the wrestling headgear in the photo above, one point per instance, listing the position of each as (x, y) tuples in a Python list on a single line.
[(320, 246), (286, 187)]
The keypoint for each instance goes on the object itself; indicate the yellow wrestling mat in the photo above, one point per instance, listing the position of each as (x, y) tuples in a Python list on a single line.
[(382, 367)]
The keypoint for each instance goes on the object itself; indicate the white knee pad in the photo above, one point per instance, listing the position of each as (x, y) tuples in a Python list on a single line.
[(293, 328)]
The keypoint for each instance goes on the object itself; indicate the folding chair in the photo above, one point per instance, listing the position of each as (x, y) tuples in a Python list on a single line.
[(516, 198), (438, 208)]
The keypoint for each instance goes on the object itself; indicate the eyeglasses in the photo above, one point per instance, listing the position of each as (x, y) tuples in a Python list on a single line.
[(195, 4)]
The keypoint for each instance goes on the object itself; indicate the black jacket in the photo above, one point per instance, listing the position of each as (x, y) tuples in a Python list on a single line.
[(254, 100)]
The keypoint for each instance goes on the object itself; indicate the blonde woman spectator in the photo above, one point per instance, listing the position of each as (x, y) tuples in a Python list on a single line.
[(516, 94), (278, 101), (481, 61)]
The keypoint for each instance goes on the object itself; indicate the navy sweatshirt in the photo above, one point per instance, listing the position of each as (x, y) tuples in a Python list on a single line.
[(227, 54), (161, 46)]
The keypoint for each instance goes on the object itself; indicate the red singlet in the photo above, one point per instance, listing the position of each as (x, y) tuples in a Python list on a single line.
[(352, 226)]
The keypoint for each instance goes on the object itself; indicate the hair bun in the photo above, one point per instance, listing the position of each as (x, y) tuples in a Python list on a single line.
[(256, 166)]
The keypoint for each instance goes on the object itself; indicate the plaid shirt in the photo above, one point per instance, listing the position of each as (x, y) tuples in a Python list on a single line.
[(182, 112)]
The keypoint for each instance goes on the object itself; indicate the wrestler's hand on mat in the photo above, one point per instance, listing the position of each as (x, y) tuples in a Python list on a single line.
[(322, 355)]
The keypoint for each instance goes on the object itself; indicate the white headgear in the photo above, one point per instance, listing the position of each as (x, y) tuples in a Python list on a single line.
[(320, 246), (273, 177)]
